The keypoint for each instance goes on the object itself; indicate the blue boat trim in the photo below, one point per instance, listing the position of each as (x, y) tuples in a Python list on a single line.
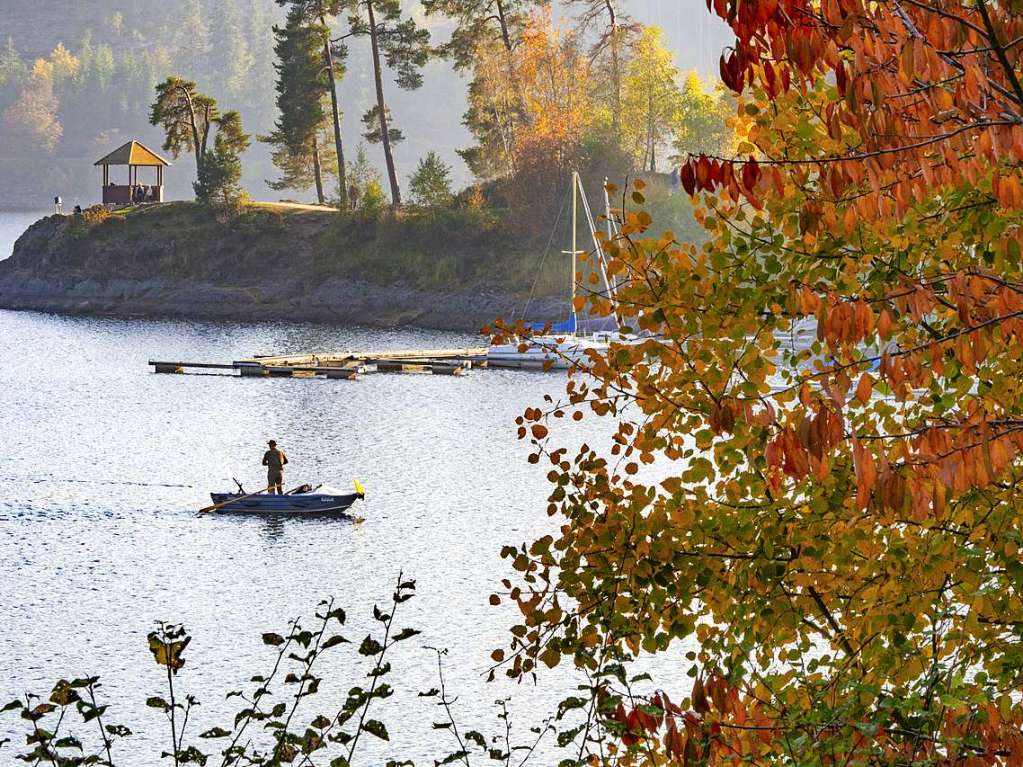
[(568, 326)]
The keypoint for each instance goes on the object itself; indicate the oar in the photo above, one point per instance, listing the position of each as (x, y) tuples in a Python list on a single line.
[(216, 506)]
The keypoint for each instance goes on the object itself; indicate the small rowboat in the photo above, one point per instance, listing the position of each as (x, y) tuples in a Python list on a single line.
[(319, 501)]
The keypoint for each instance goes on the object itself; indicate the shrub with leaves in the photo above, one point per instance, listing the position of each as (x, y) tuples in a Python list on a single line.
[(282, 719), (269, 730), (829, 391)]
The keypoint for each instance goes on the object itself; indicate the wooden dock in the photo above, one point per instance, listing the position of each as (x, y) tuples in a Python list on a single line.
[(346, 365)]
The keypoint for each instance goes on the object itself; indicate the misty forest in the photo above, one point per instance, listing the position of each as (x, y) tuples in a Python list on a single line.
[(452, 103)]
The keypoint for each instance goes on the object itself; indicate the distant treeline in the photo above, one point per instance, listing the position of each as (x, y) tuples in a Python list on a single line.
[(592, 90), (64, 105)]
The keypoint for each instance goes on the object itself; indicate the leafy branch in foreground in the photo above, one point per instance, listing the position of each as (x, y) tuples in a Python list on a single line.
[(282, 718), (264, 732), (814, 478)]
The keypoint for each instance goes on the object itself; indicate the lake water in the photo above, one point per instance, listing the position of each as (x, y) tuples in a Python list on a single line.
[(106, 464), (12, 224)]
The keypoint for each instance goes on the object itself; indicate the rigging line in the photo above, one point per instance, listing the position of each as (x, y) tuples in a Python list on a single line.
[(543, 260)]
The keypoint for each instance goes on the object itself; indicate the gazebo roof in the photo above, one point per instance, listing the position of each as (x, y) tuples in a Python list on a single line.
[(133, 153)]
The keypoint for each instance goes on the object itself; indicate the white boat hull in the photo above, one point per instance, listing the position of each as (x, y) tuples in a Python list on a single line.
[(545, 352)]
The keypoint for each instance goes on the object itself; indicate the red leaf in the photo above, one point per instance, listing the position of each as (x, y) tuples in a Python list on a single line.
[(750, 174), (687, 176)]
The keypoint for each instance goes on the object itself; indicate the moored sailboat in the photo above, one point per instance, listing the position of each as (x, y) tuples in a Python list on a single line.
[(559, 346)]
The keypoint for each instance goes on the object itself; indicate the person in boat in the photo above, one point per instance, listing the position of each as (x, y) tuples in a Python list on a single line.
[(275, 461)]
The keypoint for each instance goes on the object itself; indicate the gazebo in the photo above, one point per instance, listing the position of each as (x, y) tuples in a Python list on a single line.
[(135, 156)]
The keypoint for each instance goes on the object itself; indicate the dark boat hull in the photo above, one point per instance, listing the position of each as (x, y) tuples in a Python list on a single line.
[(306, 505)]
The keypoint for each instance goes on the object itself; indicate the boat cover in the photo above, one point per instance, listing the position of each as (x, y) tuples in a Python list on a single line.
[(568, 326)]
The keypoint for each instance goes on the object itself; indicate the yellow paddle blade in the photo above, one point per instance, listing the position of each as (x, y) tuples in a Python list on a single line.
[(359, 488)]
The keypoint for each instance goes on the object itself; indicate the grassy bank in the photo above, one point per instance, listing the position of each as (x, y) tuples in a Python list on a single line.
[(445, 249)]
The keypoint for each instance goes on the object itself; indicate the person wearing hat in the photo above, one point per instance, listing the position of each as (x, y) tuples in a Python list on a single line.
[(275, 461)]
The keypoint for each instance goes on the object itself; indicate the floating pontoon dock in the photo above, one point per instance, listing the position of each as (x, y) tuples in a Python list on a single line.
[(344, 365)]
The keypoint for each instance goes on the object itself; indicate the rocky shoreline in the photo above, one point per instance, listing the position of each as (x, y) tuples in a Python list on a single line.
[(336, 302), (53, 271)]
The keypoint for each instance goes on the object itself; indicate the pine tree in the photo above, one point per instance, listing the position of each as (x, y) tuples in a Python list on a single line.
[(218, 183), (478, 22), (317, 15), (230, 55), (12, 73), (189, 117), (301, 90), (371, 123), (193, 36), (430, 185), (404, 46)]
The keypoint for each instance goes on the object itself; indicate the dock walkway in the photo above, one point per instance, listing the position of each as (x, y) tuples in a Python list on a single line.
[(342, 365)]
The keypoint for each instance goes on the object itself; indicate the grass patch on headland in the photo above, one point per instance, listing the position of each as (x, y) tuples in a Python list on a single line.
[(454, 249)]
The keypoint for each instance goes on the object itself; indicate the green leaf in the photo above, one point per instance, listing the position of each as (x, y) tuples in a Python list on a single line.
[(377, 728), (333, 642), (567, 736), (570, 703), (369, 647), (68, 741), (406, 634), (215, 732)]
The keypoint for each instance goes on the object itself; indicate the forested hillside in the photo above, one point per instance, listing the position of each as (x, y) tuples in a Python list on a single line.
[(77, 80)]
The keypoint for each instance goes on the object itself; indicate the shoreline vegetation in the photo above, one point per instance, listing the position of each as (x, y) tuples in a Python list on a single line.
[(450, 269)]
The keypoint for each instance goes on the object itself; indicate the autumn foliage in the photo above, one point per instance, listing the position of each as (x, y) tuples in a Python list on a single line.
[(812, 481)]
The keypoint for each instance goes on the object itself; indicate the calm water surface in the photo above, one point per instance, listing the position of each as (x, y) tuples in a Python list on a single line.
[(12, 224), (105, 464)]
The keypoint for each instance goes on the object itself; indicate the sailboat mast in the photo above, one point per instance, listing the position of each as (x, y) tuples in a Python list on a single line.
[(575, 249), (607, 212)]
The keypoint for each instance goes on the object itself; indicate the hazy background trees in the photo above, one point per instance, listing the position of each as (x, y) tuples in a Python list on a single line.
[(77, 79)]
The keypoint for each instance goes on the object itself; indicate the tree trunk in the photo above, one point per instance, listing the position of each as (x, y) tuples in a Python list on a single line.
[(328, 60), (317, 172), (509, 49), (195, 133), (651, 139), (385, 138), (616, 73), (503, 22)]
